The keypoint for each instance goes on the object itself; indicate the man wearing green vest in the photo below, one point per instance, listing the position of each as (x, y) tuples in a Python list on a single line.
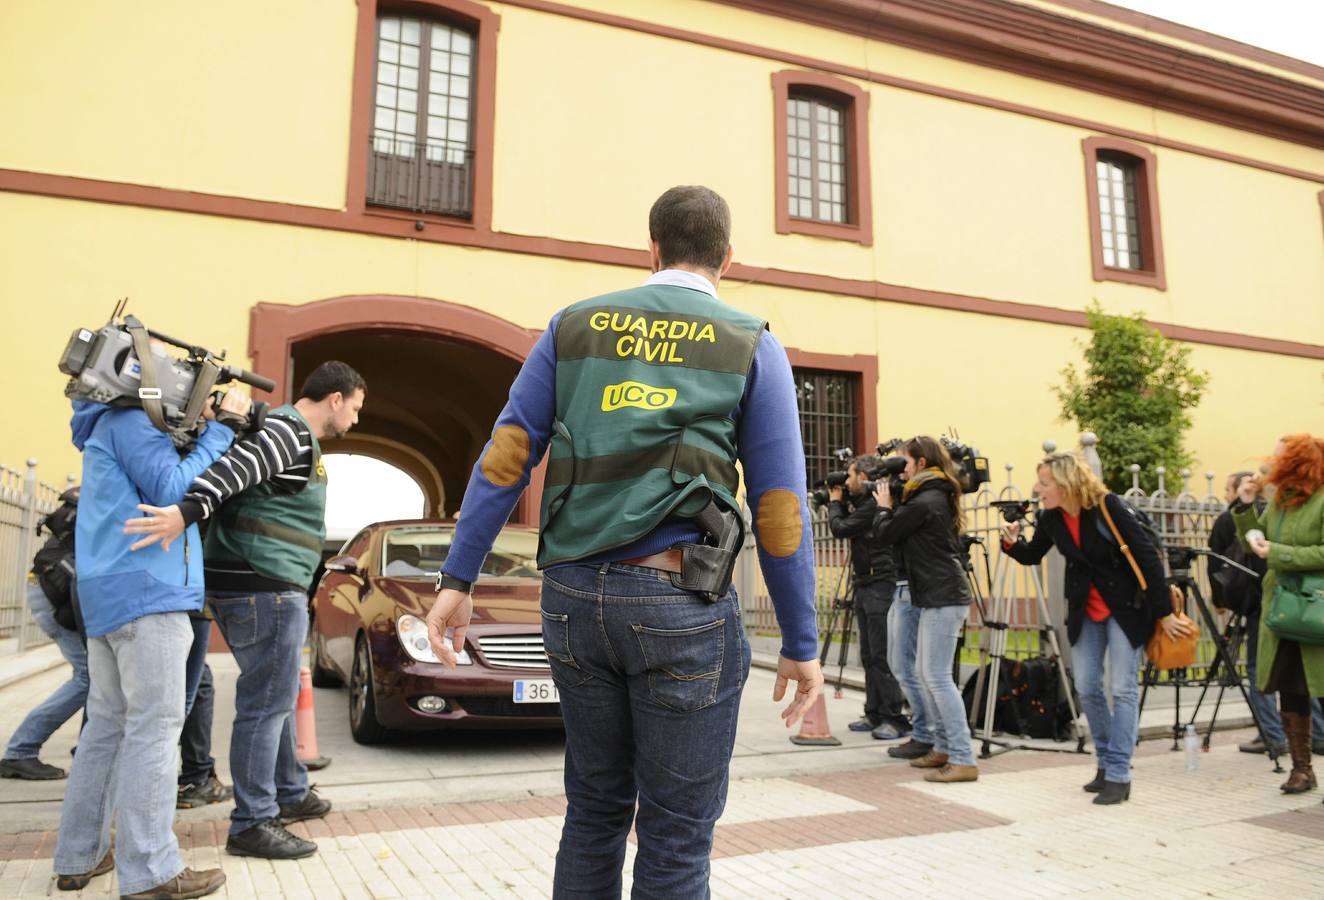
[(644, 400), (265, 500)]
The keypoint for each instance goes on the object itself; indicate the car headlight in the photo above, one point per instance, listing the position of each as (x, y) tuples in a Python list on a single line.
[(413, 633)]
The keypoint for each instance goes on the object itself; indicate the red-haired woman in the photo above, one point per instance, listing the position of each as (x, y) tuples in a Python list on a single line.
[(1289, 536)]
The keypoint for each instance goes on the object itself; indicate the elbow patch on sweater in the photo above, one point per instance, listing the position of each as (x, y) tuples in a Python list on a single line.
[(503, 463), (779, 523)]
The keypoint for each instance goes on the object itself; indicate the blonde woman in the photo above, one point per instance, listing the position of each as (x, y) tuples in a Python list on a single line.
[(1106, 620)]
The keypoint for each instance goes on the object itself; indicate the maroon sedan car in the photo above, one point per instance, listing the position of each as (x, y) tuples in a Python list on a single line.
[(368, 631)]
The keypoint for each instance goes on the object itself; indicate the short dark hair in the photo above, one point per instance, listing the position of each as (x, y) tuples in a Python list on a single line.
[(692, 226), (330, 377), (867, 462)]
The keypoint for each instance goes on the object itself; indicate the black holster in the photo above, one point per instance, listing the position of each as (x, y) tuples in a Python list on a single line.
[(707, 568)]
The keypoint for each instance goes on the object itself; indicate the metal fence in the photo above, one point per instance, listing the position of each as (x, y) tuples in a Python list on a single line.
[(1008, 590), (23, 501)]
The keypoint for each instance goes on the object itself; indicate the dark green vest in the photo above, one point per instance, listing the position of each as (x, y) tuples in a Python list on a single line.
[(279, 536), (646, 380)]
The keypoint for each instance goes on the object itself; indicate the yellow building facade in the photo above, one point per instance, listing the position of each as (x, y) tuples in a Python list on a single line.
[(269, 178)]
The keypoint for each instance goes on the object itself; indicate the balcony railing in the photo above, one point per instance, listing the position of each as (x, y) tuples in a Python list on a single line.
[(404, 173)]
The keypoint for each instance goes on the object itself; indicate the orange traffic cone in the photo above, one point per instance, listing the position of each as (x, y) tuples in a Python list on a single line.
[(305, 724), (814, 730)]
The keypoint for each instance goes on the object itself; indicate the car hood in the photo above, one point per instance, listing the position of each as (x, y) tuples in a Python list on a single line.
[(497, 601)]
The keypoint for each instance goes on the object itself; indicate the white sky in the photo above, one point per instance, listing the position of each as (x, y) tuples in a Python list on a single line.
[(362, 490), (1291, 27)]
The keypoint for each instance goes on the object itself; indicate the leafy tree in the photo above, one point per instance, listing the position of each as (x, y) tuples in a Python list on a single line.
[(1135, 393)]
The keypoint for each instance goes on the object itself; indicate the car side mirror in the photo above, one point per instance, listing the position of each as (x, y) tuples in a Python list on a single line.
[(346, 564)]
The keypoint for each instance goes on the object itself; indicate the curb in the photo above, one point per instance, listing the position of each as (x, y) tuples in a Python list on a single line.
[(22, 666)]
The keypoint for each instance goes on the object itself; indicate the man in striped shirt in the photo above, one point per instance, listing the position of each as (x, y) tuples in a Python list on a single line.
[(265, 504)]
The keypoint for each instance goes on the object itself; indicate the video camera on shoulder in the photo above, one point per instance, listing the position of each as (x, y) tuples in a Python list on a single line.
[(889, 468), (105, 366)]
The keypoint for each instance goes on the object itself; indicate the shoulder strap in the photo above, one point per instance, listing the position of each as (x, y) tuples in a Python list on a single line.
[(1126, 550), (149, 394)]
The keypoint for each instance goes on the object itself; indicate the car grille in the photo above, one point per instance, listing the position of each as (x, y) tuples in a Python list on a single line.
[(524, 651), (504, 706)]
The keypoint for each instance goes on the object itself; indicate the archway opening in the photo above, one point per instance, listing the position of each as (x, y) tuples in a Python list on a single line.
[(431, 403), (362, 490)]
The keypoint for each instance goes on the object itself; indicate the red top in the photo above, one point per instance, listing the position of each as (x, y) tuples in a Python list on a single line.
[(1095, 608)]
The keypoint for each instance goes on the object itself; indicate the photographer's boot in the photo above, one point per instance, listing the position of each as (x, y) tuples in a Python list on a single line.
[(1297, 728)]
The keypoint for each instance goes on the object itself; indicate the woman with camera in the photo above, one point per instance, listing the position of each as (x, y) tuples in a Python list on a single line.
[(926, 527), (1108, 616), (1289, 536)]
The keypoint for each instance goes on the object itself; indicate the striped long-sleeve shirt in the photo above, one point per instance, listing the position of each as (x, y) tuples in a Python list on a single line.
[(282, 453)]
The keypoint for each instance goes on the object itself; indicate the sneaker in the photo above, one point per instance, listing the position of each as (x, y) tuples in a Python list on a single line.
[(269, 840), (931, 760), (310, 807), (862, 724), (952, 773), (187, 883), (1257, 746), (209, 791), (888, 732), (78, 882), (911, 749), (31, 769)]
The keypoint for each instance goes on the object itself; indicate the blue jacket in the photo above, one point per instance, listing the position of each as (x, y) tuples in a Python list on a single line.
[(127, 461)]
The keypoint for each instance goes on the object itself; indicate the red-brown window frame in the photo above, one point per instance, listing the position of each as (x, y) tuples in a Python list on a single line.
[(484, 24), (859, 205), (1147, 209)]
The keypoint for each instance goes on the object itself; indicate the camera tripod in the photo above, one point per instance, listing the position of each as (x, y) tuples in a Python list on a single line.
[(1227, 645), (992, 652)]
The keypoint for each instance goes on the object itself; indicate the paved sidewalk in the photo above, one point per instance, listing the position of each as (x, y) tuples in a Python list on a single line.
[(480, 816)]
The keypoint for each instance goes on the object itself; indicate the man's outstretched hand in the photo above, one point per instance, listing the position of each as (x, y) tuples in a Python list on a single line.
[(808, 678), (453, 609), (162, 523)]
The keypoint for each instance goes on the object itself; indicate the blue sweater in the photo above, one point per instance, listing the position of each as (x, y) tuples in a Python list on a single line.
[(770, 452), (127, 461)]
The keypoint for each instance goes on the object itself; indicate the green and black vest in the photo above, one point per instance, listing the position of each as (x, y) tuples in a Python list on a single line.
[(646, 381), (277, 535)]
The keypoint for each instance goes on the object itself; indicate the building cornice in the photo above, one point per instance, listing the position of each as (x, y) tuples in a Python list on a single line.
[(1041, 44)]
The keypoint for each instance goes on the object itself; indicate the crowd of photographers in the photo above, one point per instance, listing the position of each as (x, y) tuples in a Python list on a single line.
[(911, 592), (136, 621)]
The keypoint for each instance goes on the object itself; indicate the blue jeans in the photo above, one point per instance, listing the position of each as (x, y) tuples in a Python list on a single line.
[(266, 633), (64, 701), (1266, 705), (939, 629), (1114, 730), (197, 659), (650, 679), (902, 640), (196, 762), (125, 766)]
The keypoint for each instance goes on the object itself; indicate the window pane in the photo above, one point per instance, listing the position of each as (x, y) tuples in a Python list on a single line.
[(409, 31), (391, 28)]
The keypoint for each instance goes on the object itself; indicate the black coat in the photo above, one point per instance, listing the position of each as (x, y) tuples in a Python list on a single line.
[(1099, 561), (871, 560), (1223, 539), (925, 530)]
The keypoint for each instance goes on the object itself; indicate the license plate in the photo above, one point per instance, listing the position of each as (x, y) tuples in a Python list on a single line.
[(542, 690)]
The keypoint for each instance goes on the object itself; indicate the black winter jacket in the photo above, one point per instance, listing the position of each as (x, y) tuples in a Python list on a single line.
[(1100, 562), (1223, 539), (871, 560), (923, 528)]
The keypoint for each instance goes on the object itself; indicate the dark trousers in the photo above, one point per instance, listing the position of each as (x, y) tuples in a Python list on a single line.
[(882, 693), (195, 739)]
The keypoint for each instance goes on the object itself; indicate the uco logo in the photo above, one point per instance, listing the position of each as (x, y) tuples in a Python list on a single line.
[(634, 393)]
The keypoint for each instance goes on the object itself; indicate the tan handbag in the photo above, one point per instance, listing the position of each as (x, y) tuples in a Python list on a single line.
[(1163, 651)]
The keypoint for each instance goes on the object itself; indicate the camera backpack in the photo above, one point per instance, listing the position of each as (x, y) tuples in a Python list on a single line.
[(1030, 700), (53, 564)]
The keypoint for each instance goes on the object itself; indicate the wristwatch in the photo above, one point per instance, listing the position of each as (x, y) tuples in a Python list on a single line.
[(451, 583)]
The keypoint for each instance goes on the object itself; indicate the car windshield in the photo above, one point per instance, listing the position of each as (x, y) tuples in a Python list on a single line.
[(419, 553)]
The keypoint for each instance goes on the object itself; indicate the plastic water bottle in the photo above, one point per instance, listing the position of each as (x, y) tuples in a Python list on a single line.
[(1192, 744)]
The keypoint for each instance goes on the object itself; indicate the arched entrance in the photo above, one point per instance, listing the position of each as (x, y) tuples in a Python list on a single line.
[(438, 374)]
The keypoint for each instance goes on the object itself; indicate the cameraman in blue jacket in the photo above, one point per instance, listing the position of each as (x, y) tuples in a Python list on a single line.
[(135, 609)]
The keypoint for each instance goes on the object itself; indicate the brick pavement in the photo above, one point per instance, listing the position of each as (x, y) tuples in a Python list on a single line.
[(1024, 830)]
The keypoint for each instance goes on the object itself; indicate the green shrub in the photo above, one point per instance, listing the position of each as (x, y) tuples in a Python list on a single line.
[(1135, 393)]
